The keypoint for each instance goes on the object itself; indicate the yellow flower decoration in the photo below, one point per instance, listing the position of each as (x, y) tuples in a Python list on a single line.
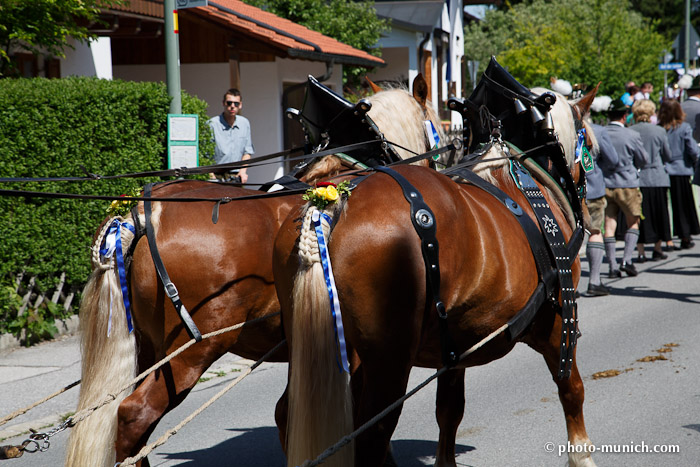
[(326, 194), (122, 207), (332, 193)]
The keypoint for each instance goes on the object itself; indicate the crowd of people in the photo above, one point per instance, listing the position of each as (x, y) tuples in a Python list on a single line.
[(644, 154)]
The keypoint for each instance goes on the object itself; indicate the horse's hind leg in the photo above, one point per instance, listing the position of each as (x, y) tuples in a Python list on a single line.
[(571, 393), (449, 411), (159, 393)]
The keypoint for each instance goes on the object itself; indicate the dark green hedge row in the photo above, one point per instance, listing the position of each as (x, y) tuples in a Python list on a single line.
[(54, 128)]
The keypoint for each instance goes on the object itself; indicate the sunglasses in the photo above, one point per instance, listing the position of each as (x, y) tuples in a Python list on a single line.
[(230, 103)]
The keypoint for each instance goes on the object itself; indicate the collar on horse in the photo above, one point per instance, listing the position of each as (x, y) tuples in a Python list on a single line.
[(330, 121)]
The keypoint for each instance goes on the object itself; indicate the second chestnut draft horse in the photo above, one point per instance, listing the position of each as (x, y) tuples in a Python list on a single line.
[(223, 273), (487, 274)]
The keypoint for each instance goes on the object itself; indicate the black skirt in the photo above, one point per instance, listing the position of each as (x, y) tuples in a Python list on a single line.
[(685, 218), (656, 224)]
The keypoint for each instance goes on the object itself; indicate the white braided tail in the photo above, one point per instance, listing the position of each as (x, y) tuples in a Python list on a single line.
[(320, 404), (108, 363)]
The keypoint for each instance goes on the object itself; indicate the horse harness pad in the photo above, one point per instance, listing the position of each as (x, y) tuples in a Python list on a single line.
[(563, 260), (548, 248), (423, 221), (170, 289)]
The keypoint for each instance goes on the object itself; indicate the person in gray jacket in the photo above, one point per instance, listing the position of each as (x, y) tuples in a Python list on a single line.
[(622, 188), (691, 107), (653, 182), (595, 201), (684, 158)]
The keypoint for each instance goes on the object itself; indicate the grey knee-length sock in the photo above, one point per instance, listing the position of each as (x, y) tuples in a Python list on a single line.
[(595, 252), (631, 237), (610, 252)]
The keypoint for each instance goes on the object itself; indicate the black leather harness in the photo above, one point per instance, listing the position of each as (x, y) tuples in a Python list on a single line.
[(170, 289), (423, 221), (553, 258)]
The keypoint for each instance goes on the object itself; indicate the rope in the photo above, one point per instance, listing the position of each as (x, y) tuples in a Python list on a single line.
[(146, 450), (83, 414), (19, 412), (347, 439)]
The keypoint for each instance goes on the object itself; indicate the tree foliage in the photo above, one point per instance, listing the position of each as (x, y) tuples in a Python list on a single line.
[(43, 26), (353, 23), (581, 41)]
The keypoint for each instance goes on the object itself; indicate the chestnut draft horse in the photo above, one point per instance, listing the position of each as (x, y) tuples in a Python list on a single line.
[(224, 276), (488, 274)]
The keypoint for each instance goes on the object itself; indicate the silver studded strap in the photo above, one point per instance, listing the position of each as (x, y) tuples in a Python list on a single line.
[(563, 261)]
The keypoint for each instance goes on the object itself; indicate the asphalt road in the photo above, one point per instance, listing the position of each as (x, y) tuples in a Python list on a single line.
[(645, 336)]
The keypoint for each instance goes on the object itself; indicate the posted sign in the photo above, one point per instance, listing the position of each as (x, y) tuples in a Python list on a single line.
[(183, 140), (182, 4)]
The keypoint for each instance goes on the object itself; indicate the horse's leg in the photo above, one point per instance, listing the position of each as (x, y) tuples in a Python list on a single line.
[(159, 393), (449, 410), (547, 341), (375, 392), (281, 418)]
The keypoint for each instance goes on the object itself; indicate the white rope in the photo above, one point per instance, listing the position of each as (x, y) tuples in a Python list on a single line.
[(146, 450), (83, 414)]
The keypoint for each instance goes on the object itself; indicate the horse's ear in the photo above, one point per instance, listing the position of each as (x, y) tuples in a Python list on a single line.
[(420, 90), (585, 102), (374, 87)]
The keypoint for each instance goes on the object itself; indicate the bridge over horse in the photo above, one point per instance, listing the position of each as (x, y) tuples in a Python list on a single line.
[(426, 266), (222, 273)]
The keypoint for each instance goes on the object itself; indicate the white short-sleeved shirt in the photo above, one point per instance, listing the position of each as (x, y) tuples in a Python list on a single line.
[(231, 141)]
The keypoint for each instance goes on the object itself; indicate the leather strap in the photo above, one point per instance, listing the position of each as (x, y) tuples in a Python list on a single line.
[(170, 289), (558, 247), (423, 221)]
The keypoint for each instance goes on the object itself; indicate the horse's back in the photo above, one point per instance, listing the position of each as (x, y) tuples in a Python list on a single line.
[(381, 274)]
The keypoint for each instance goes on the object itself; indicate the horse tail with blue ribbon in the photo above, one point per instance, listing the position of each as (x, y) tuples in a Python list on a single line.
[(320, 401), (107, 345)]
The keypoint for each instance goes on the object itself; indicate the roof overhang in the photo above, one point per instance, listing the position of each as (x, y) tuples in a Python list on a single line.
[(419, 15)]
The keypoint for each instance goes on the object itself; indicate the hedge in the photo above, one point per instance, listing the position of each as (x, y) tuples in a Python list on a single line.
[(63, 128)]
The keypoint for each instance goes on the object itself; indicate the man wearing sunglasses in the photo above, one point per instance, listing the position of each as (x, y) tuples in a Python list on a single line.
[(232, 137)]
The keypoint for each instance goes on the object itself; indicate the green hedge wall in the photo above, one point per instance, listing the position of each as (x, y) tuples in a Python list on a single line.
[(53, 128)]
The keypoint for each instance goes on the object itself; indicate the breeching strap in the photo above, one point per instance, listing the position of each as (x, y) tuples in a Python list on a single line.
[(170, 289), (423, 221)]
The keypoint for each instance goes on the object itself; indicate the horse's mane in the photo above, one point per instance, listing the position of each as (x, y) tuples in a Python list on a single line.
[(400, 118), (564, 126)]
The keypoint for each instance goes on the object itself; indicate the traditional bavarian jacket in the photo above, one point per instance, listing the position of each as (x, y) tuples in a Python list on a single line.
[(684, 150), (656, 144), (606, 156), (633, 156)]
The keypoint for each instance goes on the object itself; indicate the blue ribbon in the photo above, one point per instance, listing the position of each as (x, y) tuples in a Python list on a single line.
[(111, 244), (332, 291), (433, 136), (579, 144)]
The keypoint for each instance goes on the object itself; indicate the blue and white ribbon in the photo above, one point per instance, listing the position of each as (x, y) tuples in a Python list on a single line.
[(579, 144), (317, 217), (113, 243), (432, 135)]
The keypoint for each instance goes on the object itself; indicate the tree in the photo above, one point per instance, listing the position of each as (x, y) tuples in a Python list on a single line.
[(582, 41), (353, 23), (43, 26)]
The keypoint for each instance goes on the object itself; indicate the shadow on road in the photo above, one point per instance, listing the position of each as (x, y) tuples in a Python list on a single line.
[(261, 447)]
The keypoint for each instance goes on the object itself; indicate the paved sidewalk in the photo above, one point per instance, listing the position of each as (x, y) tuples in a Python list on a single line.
[(28, 374)]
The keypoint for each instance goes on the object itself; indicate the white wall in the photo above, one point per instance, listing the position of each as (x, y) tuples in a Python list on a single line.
[(94, 59), (261, 87)]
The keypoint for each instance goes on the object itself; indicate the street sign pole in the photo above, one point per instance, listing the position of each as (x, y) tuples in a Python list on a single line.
[(172, 56)]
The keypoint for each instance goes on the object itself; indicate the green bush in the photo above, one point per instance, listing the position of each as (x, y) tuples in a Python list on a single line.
[(63, 128)]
